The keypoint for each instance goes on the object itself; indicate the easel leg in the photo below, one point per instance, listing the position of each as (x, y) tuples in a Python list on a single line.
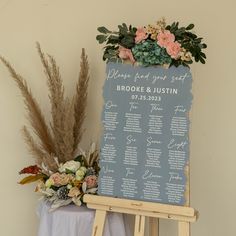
[(139, 225), (99, 222), (153, 226), (184, 228)]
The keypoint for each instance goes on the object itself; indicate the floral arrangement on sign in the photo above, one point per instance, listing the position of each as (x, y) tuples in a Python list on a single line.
[(158, 44), (63, 171)]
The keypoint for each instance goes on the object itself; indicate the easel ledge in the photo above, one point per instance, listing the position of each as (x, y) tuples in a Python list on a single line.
[(140, 209)]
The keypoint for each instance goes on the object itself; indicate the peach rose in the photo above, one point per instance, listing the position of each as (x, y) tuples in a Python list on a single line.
[(173, 49), (91, 181), (141, 34), (164, 38), (60, 179), (126, 54)]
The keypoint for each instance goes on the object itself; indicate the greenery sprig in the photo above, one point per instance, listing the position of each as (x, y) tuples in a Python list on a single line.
[(124, 37), (158, 44), (190, 41)]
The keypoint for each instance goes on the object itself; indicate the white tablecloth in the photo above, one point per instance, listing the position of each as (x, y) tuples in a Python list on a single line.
[(78, 221)]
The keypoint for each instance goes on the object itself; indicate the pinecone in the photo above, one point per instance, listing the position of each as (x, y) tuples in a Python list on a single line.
[(62, 193), (90, 171)]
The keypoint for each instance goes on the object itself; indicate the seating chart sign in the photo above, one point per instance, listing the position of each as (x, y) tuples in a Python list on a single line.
[(145, 139)]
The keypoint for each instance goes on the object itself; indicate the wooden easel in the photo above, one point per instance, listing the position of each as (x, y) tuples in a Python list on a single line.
[(102, 205)]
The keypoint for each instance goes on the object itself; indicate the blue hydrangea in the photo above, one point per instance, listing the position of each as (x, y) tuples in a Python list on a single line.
[(150, 53)]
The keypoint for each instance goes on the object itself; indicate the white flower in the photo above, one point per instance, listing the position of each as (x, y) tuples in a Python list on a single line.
[(72, 166), (185, 55)]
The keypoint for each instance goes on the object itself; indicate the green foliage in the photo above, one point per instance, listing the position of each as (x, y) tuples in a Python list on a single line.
[(55, 188), (101, 38), (69, 171), (123, 37), (103, 30), (189, 41), (148, 52), (79, 158)]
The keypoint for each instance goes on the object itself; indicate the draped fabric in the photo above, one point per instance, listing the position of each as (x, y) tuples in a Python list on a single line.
[(77, 221)]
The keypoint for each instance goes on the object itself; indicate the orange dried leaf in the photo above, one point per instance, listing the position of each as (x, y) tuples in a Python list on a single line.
[(31, 178)]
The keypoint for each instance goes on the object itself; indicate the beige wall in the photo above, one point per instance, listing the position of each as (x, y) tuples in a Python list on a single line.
[(63, 28)]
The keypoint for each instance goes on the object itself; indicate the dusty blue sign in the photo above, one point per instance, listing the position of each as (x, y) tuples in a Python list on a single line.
[(145, 140)]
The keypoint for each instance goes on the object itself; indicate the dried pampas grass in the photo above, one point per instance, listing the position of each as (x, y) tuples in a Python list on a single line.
[(59, 141), (35, 116), (81, 99)]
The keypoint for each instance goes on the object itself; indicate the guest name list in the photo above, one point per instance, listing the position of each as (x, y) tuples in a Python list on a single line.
[(145, 141)]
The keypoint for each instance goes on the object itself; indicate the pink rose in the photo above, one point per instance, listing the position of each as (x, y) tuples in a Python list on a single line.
[(141, 34), (91, 181), (55, 178), (173, 49), (126, 54), (164, 38)]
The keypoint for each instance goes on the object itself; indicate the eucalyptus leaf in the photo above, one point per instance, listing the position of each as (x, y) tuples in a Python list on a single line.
[(190, 26), (202, 60), (113, 39), (198, 40), (125, 26), (122, 30), (182, 29), (101, 38), (103, 30), (203, 55), (191, 35), (168, 27)]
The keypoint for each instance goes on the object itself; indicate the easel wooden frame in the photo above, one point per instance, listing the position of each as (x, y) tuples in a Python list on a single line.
[(155, 211)]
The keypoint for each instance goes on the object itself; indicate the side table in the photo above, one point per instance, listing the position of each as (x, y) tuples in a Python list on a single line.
[(72, 220)]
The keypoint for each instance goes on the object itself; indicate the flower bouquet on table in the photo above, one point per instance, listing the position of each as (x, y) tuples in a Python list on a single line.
[(158, 44), (72, 180), (64, 172)]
